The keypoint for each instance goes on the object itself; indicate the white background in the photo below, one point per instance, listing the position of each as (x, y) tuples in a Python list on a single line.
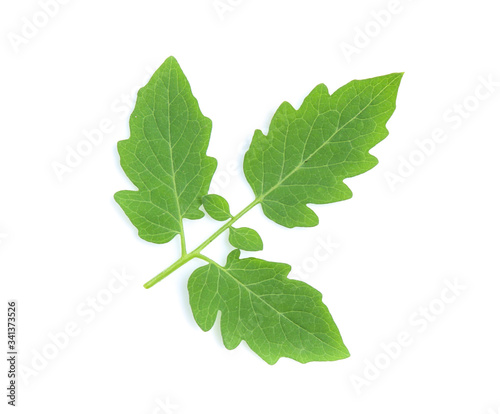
[(62, 241)]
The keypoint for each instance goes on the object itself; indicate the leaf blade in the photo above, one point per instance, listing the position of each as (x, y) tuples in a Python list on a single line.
[(245, 238), (216, 207), (165, 156), (310, 151), (276, 316)]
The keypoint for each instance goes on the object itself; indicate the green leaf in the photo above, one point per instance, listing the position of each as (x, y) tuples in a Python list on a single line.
[(304, 159), (310, 151), (276, 316), (165, 156), (245, 238), (217, 207)]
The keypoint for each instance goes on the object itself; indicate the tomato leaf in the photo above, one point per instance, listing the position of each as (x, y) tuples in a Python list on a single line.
[(245, 238), (165, 156), (310, 151), (276, 316), (304, 159), (216, 207)]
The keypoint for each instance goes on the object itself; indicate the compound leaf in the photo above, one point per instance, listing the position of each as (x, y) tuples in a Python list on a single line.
[(165, 156), (308, 152), (216, 207), (304, 159), (276, 316), (245, 238)]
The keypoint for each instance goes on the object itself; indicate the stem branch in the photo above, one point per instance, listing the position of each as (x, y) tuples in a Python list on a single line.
[(186, 257)]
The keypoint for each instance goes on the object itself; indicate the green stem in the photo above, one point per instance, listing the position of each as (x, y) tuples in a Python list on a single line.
[(182, 261), (183, 241), (186, 257), (208, 260), (226, 226)]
